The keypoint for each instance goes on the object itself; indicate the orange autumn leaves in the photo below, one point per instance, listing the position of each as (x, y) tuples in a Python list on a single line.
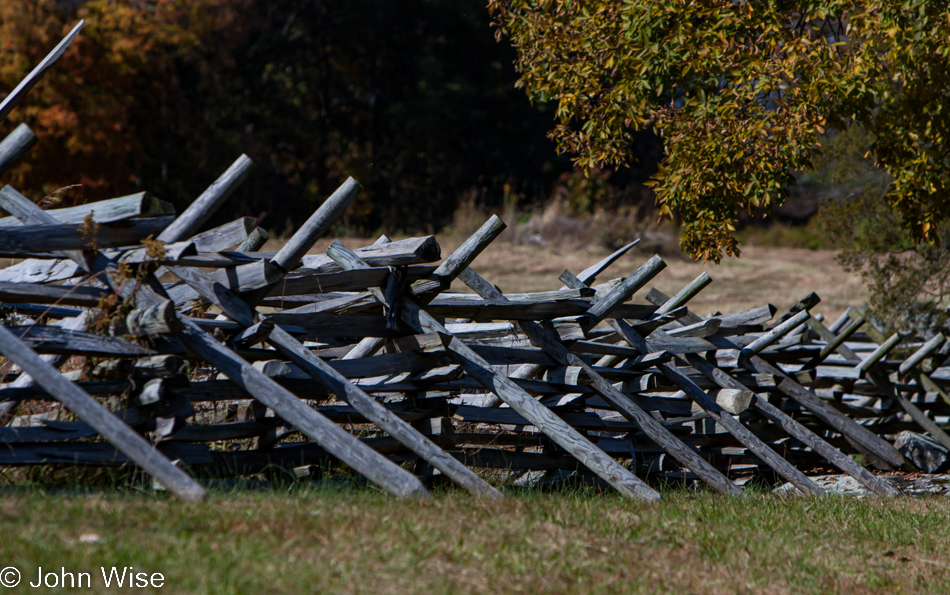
[(83, 110)]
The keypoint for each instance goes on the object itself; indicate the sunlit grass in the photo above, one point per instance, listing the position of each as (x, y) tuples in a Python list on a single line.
[(305, 540)]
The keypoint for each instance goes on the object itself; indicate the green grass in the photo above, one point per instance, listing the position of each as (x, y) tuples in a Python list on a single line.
[(359, 541)]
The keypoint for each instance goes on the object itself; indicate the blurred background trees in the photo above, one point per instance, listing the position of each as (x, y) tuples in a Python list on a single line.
[(413, 98)]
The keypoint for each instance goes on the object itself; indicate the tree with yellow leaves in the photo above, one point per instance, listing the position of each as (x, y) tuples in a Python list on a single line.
[(742, 94)]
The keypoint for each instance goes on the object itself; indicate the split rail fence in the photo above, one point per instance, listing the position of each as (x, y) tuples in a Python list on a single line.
[(196, 355)]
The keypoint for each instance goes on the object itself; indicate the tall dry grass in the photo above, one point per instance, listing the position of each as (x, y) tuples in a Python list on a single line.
[(557, 225)]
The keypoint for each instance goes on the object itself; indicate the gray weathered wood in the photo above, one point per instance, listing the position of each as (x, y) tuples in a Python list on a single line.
[(568, 330), (797, 430), (365, 348), (878, 354), (755, 316), (75, 295), (810, 401), (330, 436), (650, 426), (255, 334), (60, 238), (459, 260), (589, 275), (775, 334), (182, 253), (258, 275), (145, 255), (870, 329), (57, 340), (152, 392), (537, 296), (731, 424), (248, 277), (392, 295), (356, 280), (107, 211), (831, 416), (687, 293), (113, 430), (337, 383), (887, 388), (155, 320), (834, 342), (205, 205), (254, 241), (40, 271), (838, 343), (14, 146), (379, 415), (336, 326), (539, 415), (733, 400), (30, 214), (915, 359), (158, 366), (622, 293), (919, 417), (224, 236), (92, 260), (14, 97), (77, 323), (290, 255), (807, 303), (39, 310), (839, 323), (348, 303), (399, 253), (508, 310), (700, 329)]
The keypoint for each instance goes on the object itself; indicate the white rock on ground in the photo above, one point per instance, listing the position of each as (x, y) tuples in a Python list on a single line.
[(910, 485)]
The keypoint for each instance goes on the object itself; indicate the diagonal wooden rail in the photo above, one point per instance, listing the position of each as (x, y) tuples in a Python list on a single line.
[(697, 394), (782, 419), (537, 414), (551, 345), (311, 423), (807, 399), (240, 312)]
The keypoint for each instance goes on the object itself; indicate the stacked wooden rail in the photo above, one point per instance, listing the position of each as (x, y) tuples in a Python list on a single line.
[(134, 338)]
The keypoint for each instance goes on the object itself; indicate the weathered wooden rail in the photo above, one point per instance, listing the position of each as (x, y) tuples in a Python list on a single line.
[(200, 348)]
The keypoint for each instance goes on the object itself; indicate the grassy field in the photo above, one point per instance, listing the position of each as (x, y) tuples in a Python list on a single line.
[(578, 542)]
